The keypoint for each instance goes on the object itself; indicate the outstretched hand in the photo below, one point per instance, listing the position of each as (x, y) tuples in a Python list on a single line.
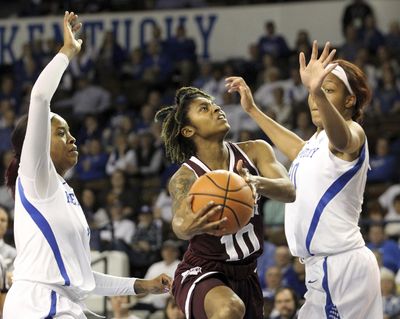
[(314, 73), (71, 46), (237, 84)]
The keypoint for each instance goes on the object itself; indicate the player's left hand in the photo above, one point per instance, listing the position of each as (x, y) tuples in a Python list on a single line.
[(250, 179), (314, 73)]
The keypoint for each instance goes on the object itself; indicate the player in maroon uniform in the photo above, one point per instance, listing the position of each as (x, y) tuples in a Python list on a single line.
[(217, 277)]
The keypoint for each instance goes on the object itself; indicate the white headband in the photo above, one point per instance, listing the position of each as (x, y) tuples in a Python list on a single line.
[(341, 74), (51, 115)]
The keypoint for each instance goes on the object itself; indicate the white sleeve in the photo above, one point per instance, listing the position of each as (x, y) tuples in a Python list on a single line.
[(107, 285), (35, 165)]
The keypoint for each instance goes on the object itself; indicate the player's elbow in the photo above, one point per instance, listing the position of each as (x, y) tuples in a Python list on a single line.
[(290, 193)]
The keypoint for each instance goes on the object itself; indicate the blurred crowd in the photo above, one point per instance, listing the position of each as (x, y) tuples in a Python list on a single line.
[(110, 96)]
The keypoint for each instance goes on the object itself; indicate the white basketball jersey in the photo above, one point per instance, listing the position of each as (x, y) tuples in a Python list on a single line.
[(329, 193), (53, 234)]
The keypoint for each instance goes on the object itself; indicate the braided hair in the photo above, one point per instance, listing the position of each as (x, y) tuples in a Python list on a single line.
[(173, 119)]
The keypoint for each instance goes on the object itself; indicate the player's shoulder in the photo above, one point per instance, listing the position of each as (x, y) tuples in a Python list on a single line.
[(183, 174)]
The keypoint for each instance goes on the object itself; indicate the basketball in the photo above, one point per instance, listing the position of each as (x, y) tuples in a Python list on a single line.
[(229, 190)]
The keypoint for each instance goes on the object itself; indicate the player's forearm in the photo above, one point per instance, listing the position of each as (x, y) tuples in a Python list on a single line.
[(286, 141), (333, 122), (280, 189)]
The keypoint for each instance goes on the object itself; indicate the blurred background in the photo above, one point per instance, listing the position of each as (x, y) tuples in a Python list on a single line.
[(135, 55)]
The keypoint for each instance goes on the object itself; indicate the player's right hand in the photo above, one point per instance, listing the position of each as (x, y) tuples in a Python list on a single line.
[(199, 222), (71, 26), (238, 84)]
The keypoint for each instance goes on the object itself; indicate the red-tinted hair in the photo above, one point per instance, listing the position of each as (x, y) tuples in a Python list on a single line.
[(17, 140), (359, 85)]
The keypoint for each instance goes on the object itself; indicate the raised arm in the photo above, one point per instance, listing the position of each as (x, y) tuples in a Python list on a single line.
[(35, 156), (274, 182), (345, 136), (286, 141), (185, 222)]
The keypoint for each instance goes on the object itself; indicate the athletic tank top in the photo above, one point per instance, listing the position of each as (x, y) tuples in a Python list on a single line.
[(329, 193), (242, 247)]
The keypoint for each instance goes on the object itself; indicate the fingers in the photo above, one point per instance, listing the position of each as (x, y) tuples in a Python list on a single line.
[(329, 58), (314, 53), (216, 228), (234, 83), (302, 61), (206, 209), (325, 52)]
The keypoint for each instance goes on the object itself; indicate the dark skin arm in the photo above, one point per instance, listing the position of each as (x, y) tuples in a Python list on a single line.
[(273, 181), (185, 222), (158, 285)]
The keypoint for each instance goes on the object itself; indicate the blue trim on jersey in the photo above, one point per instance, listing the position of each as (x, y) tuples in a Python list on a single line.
[(331, 310), (53, 306), (330, 193), (45, 228)]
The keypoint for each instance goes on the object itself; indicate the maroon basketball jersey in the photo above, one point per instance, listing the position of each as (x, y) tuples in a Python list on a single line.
[(242, 247)]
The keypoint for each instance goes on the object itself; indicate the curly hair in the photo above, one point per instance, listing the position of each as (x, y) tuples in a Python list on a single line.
[(173, 119)]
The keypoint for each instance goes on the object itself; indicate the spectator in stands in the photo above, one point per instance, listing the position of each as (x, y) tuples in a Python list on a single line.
[(133, 67), (7, 252), (351, 45), (91, 167), (371, 37), (296, 279), (273, 281), (204, 74), (88, 98), (157, 65), (6, 199), (392, 218), (303, 125), (146, 242), (265, 261), (170, 260), (390, 299), (7, 123), (388, 248), (90, 129), (272, 43), (387, 94), (355, 14), (286, 304), (393, 38), (282, 109), (215, 86), (383, 163), (284, 260), (122, 157), (120, 191), (9, 92), (120, 308), (110, 55), (295, 92), (84, 64), (182, 50), (121, 231)]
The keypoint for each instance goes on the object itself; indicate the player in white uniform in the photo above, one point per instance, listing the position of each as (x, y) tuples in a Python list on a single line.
[(52, 275), (329, 173)]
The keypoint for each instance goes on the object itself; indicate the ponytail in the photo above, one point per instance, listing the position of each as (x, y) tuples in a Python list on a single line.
[(17, 140)]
